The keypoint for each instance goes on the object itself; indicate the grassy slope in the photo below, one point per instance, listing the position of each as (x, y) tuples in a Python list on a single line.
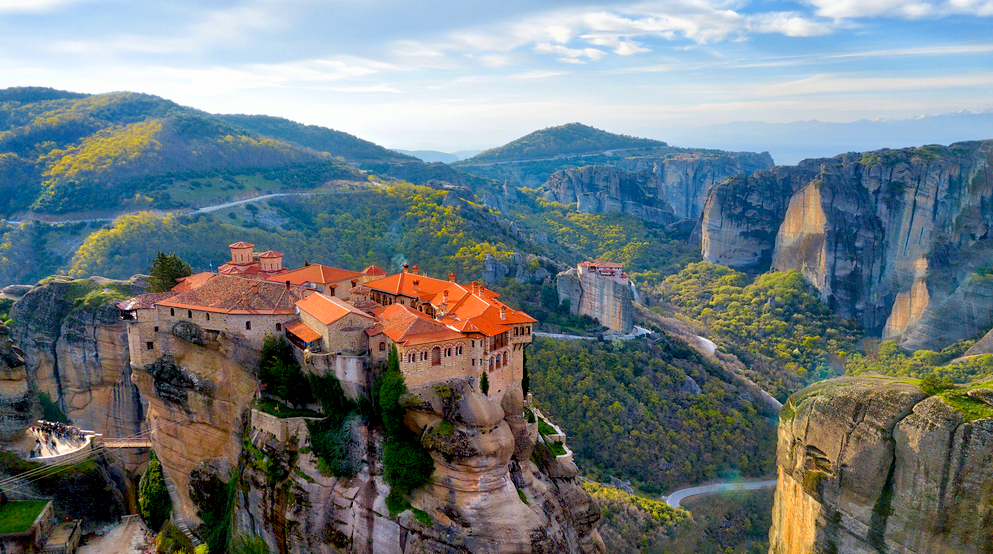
[(17, 517), (572, 138)]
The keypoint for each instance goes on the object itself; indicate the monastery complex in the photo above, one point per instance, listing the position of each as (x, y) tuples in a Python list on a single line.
[(441, 329)]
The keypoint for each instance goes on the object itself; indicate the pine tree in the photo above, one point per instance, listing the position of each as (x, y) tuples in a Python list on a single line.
[(166, 268), (484, 384)]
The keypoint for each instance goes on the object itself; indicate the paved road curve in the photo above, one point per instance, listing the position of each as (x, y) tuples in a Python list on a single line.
[(682, 494)]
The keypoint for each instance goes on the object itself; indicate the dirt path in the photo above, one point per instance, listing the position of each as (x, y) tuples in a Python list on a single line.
[(129, 537)]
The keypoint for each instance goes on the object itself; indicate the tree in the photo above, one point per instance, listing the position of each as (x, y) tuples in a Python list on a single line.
[(484, 384), (166, 268), (153, 497), (249, 544)]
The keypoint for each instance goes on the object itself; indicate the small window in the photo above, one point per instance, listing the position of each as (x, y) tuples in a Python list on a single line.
[(474, 361), (156, 329), (458, 350), (515, 331), (149, 345), (436, 356), (172, 311), (208, 316), (189, 314), (279, 326), (248, 325), (382, 346)]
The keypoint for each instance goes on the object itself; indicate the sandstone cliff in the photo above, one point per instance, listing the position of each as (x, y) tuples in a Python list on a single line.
[(661, 190), (601, 298), (896, 239), (18, 403), (79, 355), (200, 393), (874, 465)]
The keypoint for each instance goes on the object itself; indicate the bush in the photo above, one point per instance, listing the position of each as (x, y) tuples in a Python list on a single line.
[(50, 410), (249, 544), (280, 373), (154, 503), (333, 440)]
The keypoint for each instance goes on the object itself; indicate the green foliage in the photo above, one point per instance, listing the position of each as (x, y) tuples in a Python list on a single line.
[(634, 398), (165, 270), (280, 374), (572, 138), (329, 394), (271, 466), (406, 464), (17, 517), (51, 411), (217, 517), (934, 384), (79, 491), (526, 377), (248, 544), (171, 540), (154, 503), (334, 441), (777, 325), (484, 384), (278, 409), (423, 517), (889, 359)]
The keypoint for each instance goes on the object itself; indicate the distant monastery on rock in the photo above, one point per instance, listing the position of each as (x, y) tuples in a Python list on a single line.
[(341, 320)]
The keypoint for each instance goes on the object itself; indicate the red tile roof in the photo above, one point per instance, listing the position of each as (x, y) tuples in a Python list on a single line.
[(301, 330), (328, 310), (145, 301), (403, 284), (407, 326), (241, 245), (317, 273), (479, 312), (192, 282), (374, 271), (237, 295), (271, 254)]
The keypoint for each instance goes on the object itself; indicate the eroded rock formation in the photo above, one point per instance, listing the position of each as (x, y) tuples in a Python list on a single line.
[(896, 239), (79, 357), (18, 404), (873, 465)]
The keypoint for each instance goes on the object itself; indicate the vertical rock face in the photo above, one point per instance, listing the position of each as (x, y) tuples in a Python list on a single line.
[(602, 298), (18, 405), (686, 180), (602, 189), (892, 238), (79, 357), (877, 466)]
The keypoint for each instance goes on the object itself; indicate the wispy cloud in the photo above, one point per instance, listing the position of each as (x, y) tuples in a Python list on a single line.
[(34, 5), (906, 9)]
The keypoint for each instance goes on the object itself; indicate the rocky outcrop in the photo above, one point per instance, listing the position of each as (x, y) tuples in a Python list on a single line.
[(687, 179), (896, 239), (79, 356), (486, 496), (607, 300), (602, 189), (18, 404), (873, 465)]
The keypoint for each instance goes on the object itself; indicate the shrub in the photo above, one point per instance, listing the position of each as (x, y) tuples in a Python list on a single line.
[(154, 503), (406, 466), (249, 544), (484, 384), (51, 410), (280, 373)]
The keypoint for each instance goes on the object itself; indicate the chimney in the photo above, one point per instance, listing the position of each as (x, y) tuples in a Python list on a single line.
[(451, 277), (475, 287), (444, 296), (287, 284), (405, 267), (417, 282), (503, 312), (415, 270)]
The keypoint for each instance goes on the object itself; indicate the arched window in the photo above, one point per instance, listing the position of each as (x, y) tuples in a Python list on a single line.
[(208, 316), (382, 346), (436, 356), (279, 326), (491, 363), (505, 356), (515, 331), (189, 314), (248, 325), (172, 311), (458, 350), (411, 358)]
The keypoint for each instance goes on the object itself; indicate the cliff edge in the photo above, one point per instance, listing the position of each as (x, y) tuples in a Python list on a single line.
[(874, 465)]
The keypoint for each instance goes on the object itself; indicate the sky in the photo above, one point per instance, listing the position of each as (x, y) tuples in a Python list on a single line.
[(453, 75)]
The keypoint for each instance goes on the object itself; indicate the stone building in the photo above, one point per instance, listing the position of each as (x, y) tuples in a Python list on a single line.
[(600, 290), (244, 261), (442, 330)]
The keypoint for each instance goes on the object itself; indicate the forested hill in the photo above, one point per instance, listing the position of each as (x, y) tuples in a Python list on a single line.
[(62, 151), (316, 138), (572, 138)]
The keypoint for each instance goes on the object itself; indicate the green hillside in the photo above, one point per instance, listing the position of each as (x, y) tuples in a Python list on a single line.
[(67, 152), (320, 139), (572, 138)]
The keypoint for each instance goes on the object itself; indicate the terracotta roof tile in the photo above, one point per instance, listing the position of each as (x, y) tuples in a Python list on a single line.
[(328, 310), (403, 284), (317, 273), (301, 330), (145, 301), (271, 254), (373, 271), (192, 282), (241, 244), (407, 326), (237, 295)]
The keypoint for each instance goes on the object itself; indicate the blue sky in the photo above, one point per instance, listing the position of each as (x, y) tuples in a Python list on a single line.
[(464, 74)]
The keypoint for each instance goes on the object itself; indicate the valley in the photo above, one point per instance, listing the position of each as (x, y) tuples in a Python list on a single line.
[(761, 287)]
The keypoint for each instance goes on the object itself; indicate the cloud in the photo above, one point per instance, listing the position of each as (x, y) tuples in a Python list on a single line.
[(34, 5), (569, 55), (904, 9)]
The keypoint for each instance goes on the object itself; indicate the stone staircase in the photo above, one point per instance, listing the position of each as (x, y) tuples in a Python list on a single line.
[(177, 519)]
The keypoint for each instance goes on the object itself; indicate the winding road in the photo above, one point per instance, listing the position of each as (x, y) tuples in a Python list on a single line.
[(682, 494)]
